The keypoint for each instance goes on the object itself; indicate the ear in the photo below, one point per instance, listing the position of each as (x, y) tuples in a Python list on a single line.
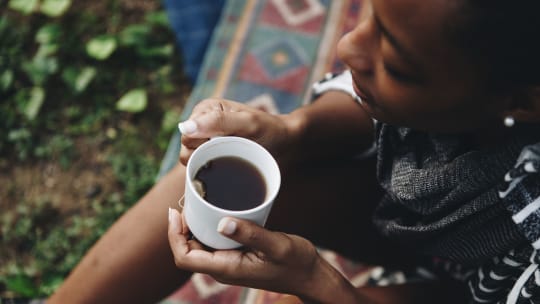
[(526, 106)]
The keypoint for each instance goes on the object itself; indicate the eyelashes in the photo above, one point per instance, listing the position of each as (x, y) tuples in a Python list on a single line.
[(395, 73), (399, 76)]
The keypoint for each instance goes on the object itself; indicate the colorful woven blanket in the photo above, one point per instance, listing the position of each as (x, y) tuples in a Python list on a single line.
[(267, 53)]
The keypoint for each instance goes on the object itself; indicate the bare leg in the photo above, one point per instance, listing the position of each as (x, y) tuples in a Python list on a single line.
[(132, 262)]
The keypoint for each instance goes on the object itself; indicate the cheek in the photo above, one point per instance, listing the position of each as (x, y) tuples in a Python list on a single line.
[(428, 110), (410, 106), (395, 97)]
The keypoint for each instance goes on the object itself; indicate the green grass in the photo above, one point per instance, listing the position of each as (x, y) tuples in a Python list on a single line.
[(78, 81)]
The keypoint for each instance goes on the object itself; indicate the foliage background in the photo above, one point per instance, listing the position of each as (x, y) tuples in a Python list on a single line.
[(90, 93)]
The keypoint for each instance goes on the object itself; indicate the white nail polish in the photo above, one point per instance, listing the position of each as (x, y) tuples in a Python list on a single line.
[(187, 127), (226, 226)]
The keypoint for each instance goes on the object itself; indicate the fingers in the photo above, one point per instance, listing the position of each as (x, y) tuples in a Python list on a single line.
[(216, 117), (288, 299), (184, 227), (217, 123), (177, 239), (273, 244), (188, 254), (185, 152)]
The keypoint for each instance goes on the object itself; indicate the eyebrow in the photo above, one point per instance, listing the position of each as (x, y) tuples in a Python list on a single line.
[(395, 43)]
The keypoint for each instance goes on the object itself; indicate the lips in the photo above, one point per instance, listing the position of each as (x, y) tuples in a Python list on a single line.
[(364, 96)]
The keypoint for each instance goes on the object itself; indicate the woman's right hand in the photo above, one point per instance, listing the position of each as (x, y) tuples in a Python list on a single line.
[(219, 117)]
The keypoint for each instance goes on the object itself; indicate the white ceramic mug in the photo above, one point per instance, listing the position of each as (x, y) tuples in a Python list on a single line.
[(202, 217)]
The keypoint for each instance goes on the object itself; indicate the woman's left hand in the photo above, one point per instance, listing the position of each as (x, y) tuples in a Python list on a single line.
[(272, 260)]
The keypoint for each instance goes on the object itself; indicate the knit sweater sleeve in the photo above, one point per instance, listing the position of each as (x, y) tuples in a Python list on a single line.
[(521, 193)]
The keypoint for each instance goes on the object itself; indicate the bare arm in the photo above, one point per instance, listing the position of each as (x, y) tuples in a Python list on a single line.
[(132, 262), (333, 126)]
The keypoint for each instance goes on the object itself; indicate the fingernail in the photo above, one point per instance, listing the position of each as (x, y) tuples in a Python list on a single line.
[(187, 127), (226, 226), (173, 219)]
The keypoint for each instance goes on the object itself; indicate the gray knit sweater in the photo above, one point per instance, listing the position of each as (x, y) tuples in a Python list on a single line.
[(441, 193)]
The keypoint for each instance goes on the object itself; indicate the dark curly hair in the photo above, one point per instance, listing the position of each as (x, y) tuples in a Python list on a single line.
[(503, 37)]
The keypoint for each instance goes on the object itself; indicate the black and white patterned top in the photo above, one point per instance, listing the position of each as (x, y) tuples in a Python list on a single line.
[(510, 278)]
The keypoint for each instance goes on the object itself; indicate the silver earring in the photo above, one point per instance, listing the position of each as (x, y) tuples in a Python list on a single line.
[(509, 121)]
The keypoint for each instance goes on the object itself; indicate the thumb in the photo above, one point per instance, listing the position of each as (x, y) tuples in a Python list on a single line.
[(253, 236)]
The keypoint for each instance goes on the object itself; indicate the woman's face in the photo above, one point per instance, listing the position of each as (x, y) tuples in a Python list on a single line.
[(409, 73)]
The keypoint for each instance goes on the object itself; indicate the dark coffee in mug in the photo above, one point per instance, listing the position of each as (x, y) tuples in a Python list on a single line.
[(231, 183)]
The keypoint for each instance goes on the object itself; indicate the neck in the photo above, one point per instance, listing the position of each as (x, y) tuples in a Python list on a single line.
[(491, 135)]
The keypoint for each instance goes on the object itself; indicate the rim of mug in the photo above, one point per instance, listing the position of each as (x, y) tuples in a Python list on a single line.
[(227, 139)]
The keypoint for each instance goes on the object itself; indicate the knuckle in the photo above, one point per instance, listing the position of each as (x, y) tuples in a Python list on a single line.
[(218, 118), (221, 104), (184, 156), (229, 271), (178, 262), (284, 249), (252, 124), (187, 142), (253, 236), (202, 105), (250, 117)]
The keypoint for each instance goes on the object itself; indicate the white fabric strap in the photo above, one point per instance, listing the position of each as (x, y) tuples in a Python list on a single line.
[(340, 82), (520, 283)]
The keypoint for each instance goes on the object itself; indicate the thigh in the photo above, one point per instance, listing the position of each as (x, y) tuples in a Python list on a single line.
[(331, 204)]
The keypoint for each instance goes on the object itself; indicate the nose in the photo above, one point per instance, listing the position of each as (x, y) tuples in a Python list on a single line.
[(357, 48)]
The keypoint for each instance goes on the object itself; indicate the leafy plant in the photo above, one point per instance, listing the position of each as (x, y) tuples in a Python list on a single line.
[(38, 66), (133, 101), (25, 7), (63, 65), (101, 47), (55, 8)]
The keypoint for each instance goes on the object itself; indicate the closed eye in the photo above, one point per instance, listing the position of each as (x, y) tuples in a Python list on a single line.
[(400, 76)]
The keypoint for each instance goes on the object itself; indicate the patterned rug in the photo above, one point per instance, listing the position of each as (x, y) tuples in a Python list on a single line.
[(267, 53)]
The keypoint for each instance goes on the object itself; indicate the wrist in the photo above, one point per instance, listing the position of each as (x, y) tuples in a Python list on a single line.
[(295, 125), (327, 285)]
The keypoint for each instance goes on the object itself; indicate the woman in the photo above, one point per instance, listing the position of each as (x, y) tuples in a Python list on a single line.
[(440, 77), (444, 89)]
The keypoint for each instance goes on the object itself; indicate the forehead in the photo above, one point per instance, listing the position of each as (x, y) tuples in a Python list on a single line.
[(420, 25)]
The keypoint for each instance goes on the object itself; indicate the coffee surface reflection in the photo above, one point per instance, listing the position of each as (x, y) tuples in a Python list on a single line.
[(230, 183)]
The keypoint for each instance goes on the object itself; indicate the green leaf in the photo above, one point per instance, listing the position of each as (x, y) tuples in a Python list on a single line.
[(169, 121), (19, 134), (6, 79), (133, 101), (25, 7), (79, 79), (101, 47), (46, 50), (50, 283), (21, 284), (34, 103), (135, 34), (157, 18), (40, 68), (48, 33), (158, 51), (55, 8), (84, 78)]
